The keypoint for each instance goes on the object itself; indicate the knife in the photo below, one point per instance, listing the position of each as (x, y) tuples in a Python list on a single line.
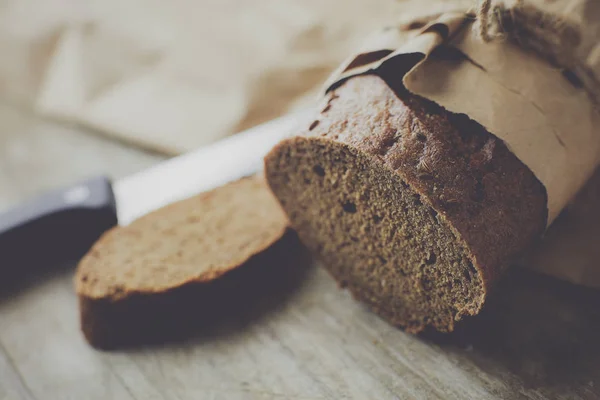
[(61, 225)]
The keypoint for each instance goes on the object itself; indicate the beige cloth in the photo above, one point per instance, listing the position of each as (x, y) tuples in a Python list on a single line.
[(175, 75)]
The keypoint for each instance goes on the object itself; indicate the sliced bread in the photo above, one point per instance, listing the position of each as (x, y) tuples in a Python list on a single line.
[(165, 270), (414, 209)]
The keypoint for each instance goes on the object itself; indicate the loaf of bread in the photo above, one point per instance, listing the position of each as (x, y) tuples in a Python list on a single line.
[(167, 271), (415, 210)]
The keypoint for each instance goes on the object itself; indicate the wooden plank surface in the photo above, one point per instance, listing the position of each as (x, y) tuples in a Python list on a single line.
[(537, 338)]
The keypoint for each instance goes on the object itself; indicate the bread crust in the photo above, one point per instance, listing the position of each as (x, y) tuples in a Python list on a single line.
[(139, 319)]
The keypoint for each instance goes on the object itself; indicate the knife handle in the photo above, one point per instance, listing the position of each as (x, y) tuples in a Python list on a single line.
[(55, 227)]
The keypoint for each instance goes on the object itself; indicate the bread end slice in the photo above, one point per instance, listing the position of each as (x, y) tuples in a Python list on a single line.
[(175, 267)]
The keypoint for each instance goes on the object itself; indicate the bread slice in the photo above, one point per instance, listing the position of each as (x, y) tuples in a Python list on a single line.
[(416, 210), (167, 269)]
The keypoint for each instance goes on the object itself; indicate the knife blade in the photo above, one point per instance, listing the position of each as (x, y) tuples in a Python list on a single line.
[(61, 225), (201, 170)]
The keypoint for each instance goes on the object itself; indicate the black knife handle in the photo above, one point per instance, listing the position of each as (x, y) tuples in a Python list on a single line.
[(56, 227)]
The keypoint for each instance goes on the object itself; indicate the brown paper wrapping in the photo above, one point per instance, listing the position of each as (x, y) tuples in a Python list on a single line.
[(570, 249), (546, 119)]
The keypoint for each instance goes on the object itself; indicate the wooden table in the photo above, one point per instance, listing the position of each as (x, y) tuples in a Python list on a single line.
[(537, 338)]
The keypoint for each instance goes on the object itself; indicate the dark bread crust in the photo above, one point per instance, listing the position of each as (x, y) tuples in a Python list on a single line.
[(140, 319), (489, 198)]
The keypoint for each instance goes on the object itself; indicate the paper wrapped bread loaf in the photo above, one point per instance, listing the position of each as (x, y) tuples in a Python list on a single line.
[(413, 206), (414, 209)]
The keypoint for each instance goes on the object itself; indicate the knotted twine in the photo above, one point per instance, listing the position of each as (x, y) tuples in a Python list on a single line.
[(552, 37)]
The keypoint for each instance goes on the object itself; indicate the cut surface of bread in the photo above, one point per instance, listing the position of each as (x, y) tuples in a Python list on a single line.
[(158, 263), (417, 211)]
